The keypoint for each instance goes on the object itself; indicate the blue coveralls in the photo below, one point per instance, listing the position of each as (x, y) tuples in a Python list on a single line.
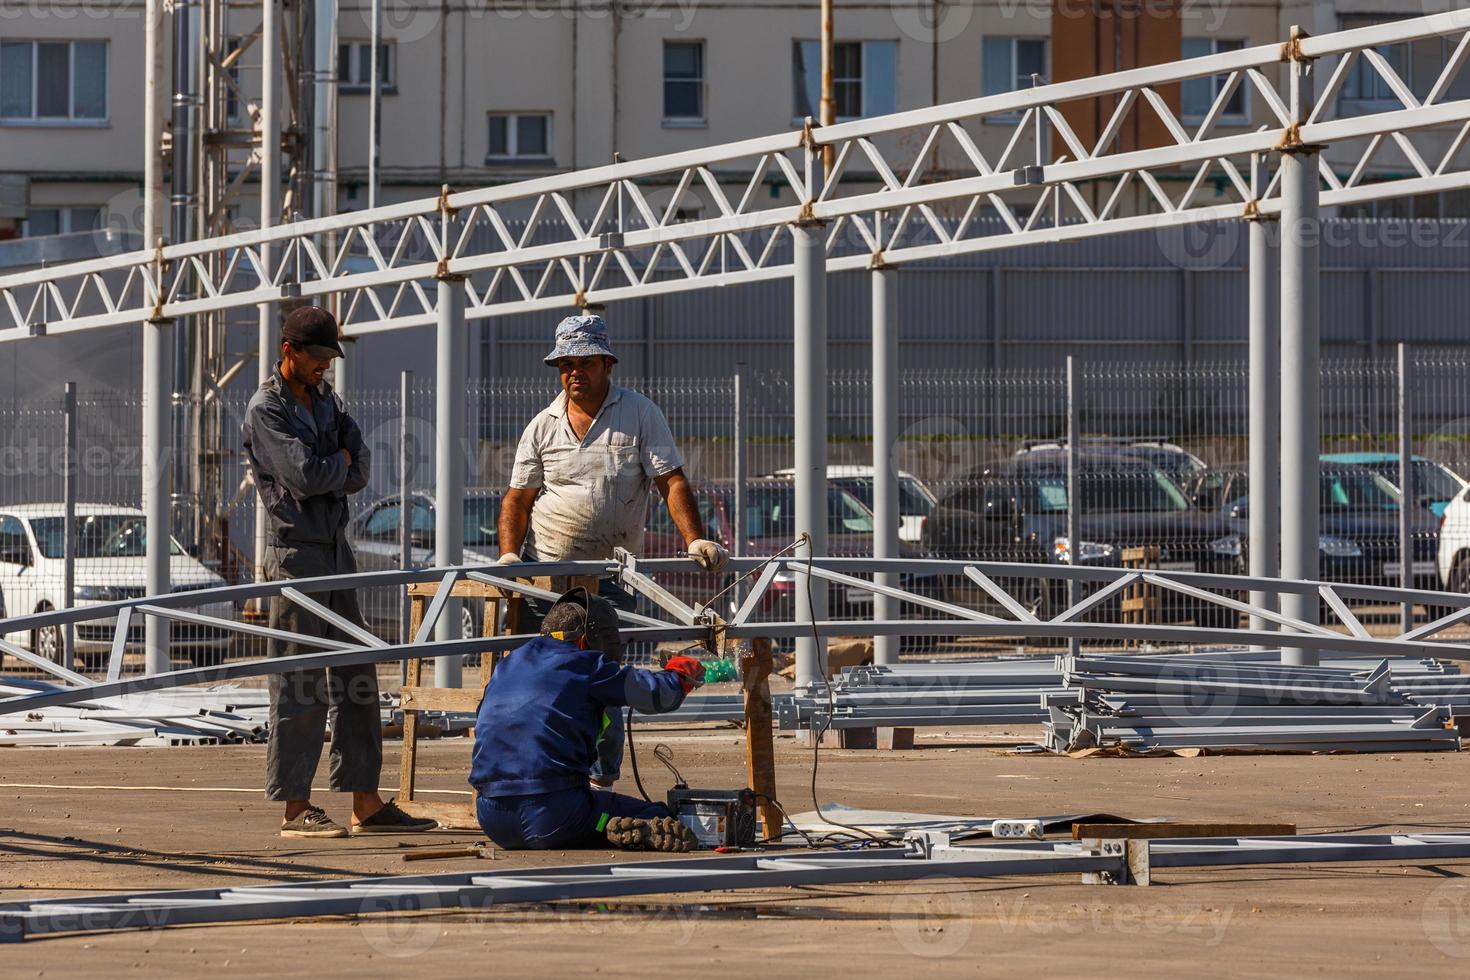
[(536, 737)]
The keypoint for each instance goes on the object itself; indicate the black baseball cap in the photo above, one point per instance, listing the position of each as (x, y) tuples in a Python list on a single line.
[(314, 330)]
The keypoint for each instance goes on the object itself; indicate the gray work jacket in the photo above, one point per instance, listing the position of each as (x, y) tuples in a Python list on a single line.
[(299, 473)]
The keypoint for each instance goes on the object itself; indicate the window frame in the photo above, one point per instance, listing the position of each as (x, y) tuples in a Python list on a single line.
[(512, 118), (1012, 41), (358, 86), (862, 78), (701, 85), (1242, 118), (70, 120)]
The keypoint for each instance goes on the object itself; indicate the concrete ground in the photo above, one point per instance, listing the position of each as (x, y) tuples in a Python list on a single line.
[(85, 820)]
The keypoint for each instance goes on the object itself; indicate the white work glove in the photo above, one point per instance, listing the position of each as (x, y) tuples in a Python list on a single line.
[(509, 558), (709, 555)]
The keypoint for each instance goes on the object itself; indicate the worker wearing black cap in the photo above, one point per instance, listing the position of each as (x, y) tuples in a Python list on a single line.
[(307, 455)]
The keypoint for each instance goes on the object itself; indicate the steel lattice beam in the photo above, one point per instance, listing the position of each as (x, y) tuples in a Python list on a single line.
[(381, 261)]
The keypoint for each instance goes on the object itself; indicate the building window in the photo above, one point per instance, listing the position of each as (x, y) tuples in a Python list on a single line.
[(1007, 63), (519, 136), (684, 81), (864, 78), (60, 221), (355, 66), (53, 81), (1418, 63), (1199, 94)]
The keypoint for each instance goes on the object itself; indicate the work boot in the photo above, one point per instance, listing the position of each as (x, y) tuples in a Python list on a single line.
[(312, 822), (657, 834)]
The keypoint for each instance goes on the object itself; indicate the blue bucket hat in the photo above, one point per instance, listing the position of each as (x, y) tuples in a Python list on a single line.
[(581, 336)]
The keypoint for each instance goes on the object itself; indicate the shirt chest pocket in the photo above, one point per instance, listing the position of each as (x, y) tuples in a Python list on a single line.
[(596, 468)]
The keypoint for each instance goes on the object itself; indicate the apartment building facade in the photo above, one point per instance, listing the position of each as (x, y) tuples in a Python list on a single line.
[(479, 92)]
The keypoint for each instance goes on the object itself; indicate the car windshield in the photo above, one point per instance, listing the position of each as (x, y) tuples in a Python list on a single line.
[(770, 512), (98, 536), (1132, 491), (1431, 480), (912, 499), (1357, 490), (480, 517)]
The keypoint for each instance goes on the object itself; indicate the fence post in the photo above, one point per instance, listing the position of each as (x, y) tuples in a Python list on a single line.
[(449, 419), (737, 517), (885, 436), (1408, 499), (405, 541), (1074, 499), (69, 524)]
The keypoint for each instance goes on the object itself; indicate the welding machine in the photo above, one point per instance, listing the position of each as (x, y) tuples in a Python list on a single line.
[(718, 817)]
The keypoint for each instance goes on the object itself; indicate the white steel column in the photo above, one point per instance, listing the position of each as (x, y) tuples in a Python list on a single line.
[(270, 209), (1264, 514), (156, 347), (809, 394), (451, 379), (885, 447), (1300, 368)]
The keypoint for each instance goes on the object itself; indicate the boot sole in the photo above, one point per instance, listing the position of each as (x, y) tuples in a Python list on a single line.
[(315, 834), (663, 834), (394, 830)]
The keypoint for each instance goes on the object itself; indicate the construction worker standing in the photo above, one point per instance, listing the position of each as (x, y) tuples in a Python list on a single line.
[(307, 455), (581, 481)]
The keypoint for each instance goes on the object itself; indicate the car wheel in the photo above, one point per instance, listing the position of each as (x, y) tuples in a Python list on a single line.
[(46, 642), (1459, 583)]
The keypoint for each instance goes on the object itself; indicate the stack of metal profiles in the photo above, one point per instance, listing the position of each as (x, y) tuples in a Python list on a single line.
[(1233, 704), (989, 692), (181, 717)]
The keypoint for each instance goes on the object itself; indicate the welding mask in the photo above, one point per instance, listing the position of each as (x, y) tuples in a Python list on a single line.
[(578, 613)]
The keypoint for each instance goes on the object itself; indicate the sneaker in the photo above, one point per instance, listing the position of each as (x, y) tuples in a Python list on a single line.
[(392, 820), (313, 822), (657, 834)]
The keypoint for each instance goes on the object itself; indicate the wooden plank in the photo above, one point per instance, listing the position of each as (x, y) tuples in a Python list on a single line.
[(1152, 831), (451, 816), (463, 589), (406, 763), (760, 747), (414, 699)]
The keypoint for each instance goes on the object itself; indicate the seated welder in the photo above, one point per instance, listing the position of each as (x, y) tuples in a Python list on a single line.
[(537, 729)]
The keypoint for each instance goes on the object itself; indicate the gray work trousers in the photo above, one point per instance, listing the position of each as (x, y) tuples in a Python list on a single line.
[(304, 702)]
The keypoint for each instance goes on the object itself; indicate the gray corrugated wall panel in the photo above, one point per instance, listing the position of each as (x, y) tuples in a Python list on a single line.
[(1092, 305), (1425, 307), (1344, 314), (1221, 307)]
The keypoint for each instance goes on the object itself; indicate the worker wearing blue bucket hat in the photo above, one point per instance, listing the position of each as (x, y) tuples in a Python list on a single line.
[(582, 475)]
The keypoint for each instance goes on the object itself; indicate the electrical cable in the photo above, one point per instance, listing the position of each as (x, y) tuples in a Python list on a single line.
[(831, 712), (709, 604), (633, 755)]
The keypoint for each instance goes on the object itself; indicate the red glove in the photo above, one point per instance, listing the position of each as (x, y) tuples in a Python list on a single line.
[(690, 671)]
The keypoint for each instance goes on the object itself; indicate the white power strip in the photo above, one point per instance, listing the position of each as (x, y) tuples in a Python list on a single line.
[(1017, 829)]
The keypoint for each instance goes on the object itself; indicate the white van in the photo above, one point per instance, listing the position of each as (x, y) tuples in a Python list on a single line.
[(111, 566)]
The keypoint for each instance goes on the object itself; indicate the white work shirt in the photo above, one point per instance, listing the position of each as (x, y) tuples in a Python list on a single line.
[(594, 491)]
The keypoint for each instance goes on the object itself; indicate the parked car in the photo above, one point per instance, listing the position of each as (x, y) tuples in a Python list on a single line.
[(1016, 510), (1358, 526), (111, 565), (769, 526), (374, 534), (1432, 485), (1453, 557), (1181, 465), (915, 500)]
